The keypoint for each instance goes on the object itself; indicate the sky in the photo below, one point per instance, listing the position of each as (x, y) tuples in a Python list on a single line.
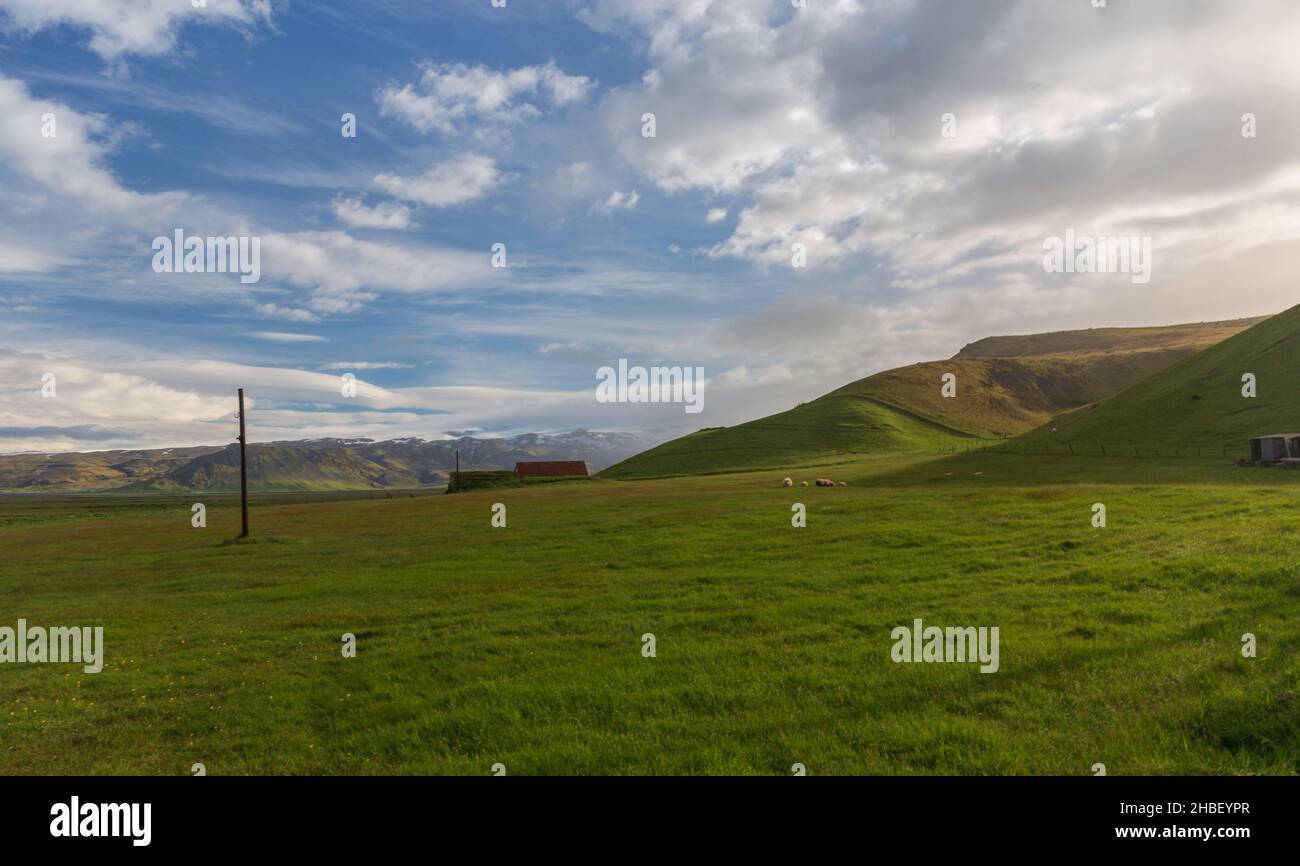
[(911, 157)]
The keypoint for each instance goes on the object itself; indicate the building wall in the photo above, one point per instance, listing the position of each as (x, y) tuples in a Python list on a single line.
[(1272, 449)]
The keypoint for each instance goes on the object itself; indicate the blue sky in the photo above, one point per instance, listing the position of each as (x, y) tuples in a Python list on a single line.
[(480, 125)]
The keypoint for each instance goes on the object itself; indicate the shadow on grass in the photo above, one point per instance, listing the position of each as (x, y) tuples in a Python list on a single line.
[(241, 542)]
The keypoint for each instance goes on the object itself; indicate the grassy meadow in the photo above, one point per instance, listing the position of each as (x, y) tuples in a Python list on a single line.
[(522, 645)]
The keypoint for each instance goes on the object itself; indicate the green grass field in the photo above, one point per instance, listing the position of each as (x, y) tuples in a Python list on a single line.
[(522, 645)]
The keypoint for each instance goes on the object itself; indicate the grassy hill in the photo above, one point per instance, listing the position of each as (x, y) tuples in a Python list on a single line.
[(1197, 402), (1036, 378), (999, 397), (824, 428)]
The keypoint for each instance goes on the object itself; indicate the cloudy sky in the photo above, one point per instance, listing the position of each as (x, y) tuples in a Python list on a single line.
[(774, 126)]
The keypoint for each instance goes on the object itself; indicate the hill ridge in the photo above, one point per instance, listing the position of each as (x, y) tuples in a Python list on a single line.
[(903, 409), (1153, 337), (1197, 402)]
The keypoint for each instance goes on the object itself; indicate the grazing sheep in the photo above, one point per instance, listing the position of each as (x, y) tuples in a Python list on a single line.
[(787, 483), (844, 484), (804, 483)]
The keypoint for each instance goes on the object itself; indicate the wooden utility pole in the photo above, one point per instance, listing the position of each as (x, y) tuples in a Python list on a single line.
[(456, 486), (243, 468)]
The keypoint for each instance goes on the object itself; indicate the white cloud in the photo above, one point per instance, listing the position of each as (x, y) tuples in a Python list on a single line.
[(731, 98), (342, 273), (716, 215), (179, 402), (293, 314), (367, 365), (448, 95), (283, 337), (70, 162), (622, 200), (88, 396), (63, 181), (827, 124), (118, 27), (457, 181), (354, 213), (18, 260)]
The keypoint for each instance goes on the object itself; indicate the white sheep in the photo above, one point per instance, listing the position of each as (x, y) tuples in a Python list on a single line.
[(787, 483)]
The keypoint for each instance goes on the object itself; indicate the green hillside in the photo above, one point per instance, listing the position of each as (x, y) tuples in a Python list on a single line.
[(903, 410), (1197, 403), (998, 397), (828, 427)]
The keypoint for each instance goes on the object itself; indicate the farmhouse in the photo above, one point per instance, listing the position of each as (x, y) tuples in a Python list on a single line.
[(550, 469), (1275, 448)]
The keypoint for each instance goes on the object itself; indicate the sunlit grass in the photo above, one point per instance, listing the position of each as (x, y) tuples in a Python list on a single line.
[(523, 645)]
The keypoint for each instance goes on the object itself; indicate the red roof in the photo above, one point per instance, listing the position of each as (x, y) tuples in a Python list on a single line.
[(551, 469)]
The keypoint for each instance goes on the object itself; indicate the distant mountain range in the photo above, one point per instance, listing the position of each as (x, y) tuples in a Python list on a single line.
[(316, 464)]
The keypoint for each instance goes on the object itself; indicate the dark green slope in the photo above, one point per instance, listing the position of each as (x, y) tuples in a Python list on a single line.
[(1197, 403)]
